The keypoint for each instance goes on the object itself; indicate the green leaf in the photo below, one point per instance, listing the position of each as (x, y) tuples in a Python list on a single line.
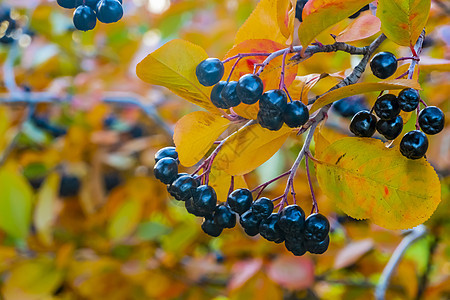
[(125, 220), (367, 180), (402, 21)]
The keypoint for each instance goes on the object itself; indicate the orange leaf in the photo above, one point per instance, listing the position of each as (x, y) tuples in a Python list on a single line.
[(361, 28)]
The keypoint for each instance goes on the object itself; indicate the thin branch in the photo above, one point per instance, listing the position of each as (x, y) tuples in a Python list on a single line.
[(417, 49)]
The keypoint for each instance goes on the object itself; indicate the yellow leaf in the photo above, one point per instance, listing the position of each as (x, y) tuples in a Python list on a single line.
[(323, 137), (402, 21), (16, 200), (264, 23), (45, 211), (173, 66), (220, 181), (364, 87), (429, 64), (369, 181), (195, 133), (125, 219), (318, 15), (250, 147)]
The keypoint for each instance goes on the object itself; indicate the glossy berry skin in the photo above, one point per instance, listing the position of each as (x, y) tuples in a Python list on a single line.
[(216, 95), (91, 3), (166, 152), (250, 223), (317, 227), (229, 94), (166, 170), (224, 217), (262, 208), (205, 200), (269, 229), (249, 88), (350, 106), (296, 246), (84, 18), (183, 187), (109, 11), (318, 247), (414, 144), (270, 120), (408, 99), (210, 71), (390, 129), (210, 227), (192, 209), (67, 3), (292, 220), (387, 107), (240, 200), (299, 9), (273, 101), (431, 120), (363, 124), (296, 114), (383, 65)]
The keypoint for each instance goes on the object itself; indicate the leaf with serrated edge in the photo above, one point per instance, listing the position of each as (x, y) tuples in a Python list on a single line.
[(366, 180), (319, 15), (173, 66), (364, 87), (402, 21), (250, 147), (195, 133)]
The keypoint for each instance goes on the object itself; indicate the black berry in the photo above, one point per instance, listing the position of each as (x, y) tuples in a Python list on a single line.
[(270, 120), (240, 200), (318, 247), (292, 220), (299, 9), (192, 208), (210, 227), (414, 144), (383, 65), (390, 129), (295, 114), (269, 229), (408, 99), (250, 223), (67, 3), (216, 95), (109, 11), (316, 227), (296, 246), (350, 106), (249, 88), (229, 94), (166, 152), (205, 200), (224, 217), (69, 186), (387, 107), (183, 187), (431, 120), (166, 170), (273, 101), (363, 124), (210, 71), (84, 18), (262, 208)]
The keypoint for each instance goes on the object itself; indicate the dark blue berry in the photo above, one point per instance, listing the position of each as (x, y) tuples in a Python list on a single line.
[(408, 99), (292, 221), (216, 95), (166, 152), (210, 71), (210, 227), (350, 106), (240, 200), (383, 65), (205, 200), (387, 107), (229, 94), (250, 223), (318, 247), (296, 246), (431, 120), (262, 208), (249, 88), (67, 3), (109, 11), (273, 101), (295, 114), (414, 144), (69, 186), (270, 120), (299, 9), (166, 170), (224, 217), (390, 129), (363, 124), (192, 209), (269, 229), (317, 227), (84, 18), (183, 187)]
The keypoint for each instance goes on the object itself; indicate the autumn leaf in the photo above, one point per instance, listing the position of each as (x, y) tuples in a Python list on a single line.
[(402, 21), (249, 147), (220, 180), (361, 28), (173, 66), (301, 86), (366, 180), (195, 133), (319, 15), (364, 87), (125, 219)]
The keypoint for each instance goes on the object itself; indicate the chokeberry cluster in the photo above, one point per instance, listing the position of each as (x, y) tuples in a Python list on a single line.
[(88, 11), (414, 144)]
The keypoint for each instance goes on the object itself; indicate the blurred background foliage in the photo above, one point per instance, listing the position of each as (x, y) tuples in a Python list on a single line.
[(82, 216)]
